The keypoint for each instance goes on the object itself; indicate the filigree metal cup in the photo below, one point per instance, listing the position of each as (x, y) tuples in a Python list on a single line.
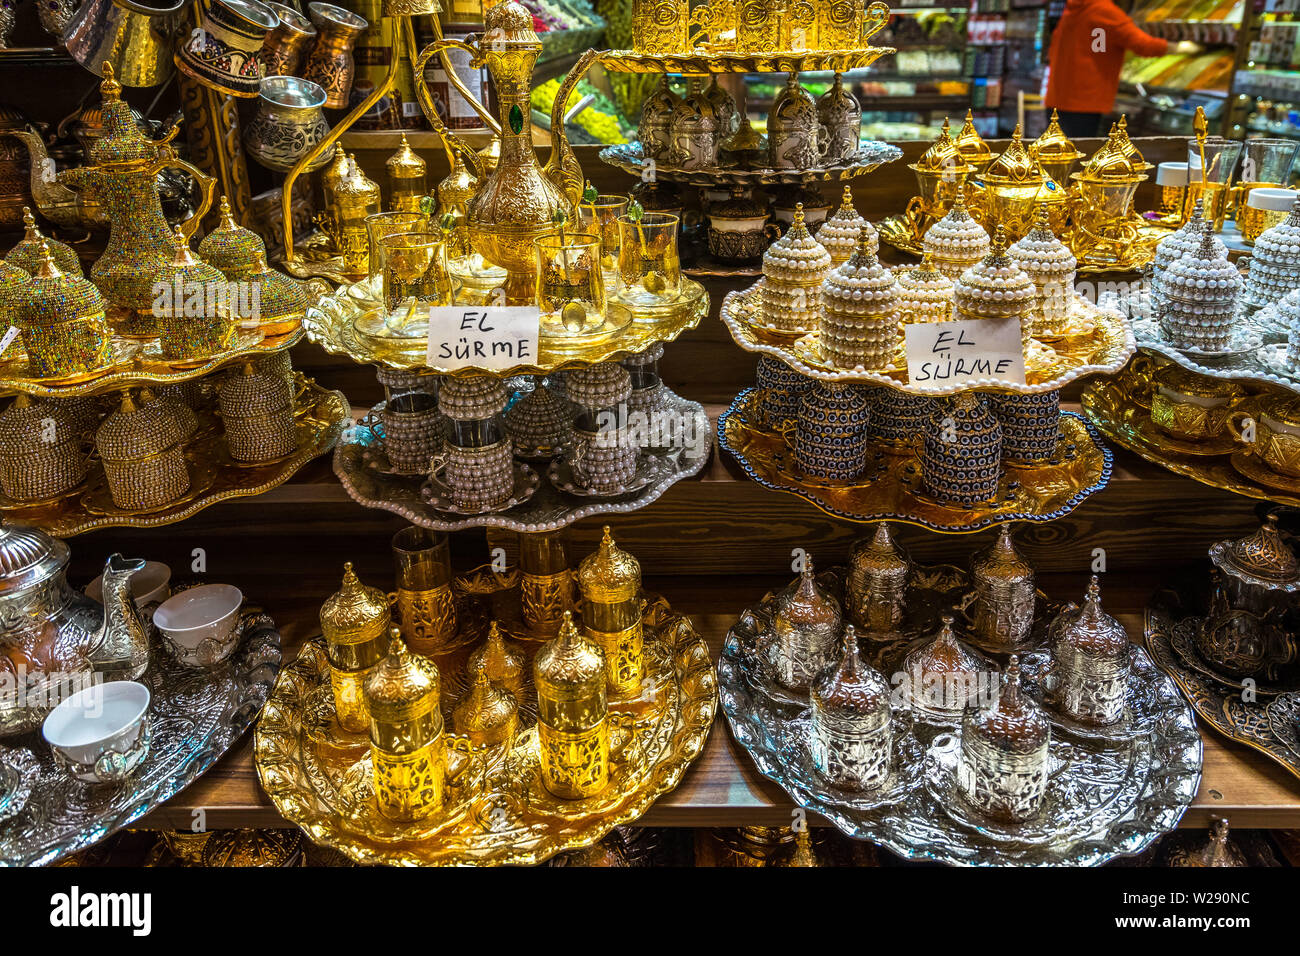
[(425, 609), (331, 63), (1189, 414), (649, 268), (224, 52), (285, 46), (287, 124), (1276, 440), (382, 224), (414, 269), (570, 285), (100, 735)]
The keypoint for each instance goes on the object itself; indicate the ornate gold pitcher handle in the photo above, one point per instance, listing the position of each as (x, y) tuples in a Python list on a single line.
[(452, 76), (877, 18), (449, 139), (562, 167), (207, 184)]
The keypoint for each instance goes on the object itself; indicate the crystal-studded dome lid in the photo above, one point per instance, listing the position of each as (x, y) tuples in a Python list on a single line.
[(924, 283), (122, 142), (796, 254), (996, 285), (603, 385), (1016, 165), (22, 426), (942, 660), (943, 155), (971, 145), (485, 708), (1014, 724), (1040, 251), (501, 660), (1280, 242), (957, 234), (28, 556), (1185, 239), (1090, 629), (850, 689), (405, 163), (472, 397), (1001, 565), (403, 686), (279, 295), (1054, 145), (569, 664), (230, 247), (541, 418), (136, 431), (26, 254), (1262, 557), (354, 613), (806, 603), (249, 392), (611, 575), (1202, 274), (838, 235), (861, 283), (52, 296), (187, 271)]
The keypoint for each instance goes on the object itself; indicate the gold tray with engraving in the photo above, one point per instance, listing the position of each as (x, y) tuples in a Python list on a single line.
[(1103, 343), (890, 490), (703, 61), (320, 414), (497, 810)]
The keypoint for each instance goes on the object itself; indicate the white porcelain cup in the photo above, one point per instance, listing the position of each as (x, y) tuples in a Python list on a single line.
[(149, 585), (1271, 199), (200, 625), (101, 734), (1171, 174)]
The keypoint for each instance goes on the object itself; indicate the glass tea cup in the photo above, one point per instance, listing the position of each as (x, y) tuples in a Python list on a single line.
[(600, 218), (1220, 163), (570, 286), (382, 224), (1264, 208), (649, 268), (413, 267)]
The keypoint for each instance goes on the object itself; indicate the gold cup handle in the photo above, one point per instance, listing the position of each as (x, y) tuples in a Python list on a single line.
[(1234, 420), (562, 167), (207, 185), (915, 214)]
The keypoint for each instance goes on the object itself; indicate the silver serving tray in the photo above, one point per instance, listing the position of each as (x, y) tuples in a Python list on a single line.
[(1148, 784), (196, 715), (547, 509)]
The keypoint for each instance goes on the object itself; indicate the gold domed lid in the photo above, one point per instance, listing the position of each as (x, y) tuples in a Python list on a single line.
[(942, 673), (403, 686), (1126, 145), (26, 255), (1014, 724), (458, 188), (661, 102), (738, 206), (611, 575), (1016, 166), (354, 613), (1117, 161), (1001, 566), (356, 186), (122, 142), (569, 666), (405, 164), (335, 172), (501, 660), (53, 297), (1054, 146), (851, 690), (695, 111), (508, 25), (486, 712), (1090, 629), (879, 558), (230, 247), (1262, 557), (971, 145), (806, 604), (943, 156)]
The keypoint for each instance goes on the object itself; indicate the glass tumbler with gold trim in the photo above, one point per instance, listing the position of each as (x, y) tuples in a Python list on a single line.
[(414, 271), (649, 267), (570, 286), (379, 225), (600, 217), (1264, 208), (426, 611)]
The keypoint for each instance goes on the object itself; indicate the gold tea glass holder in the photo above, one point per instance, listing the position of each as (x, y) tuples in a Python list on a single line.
[(423, 606), (570, 290)]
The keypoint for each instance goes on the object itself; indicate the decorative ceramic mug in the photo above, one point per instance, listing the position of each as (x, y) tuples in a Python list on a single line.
[(224, 51)]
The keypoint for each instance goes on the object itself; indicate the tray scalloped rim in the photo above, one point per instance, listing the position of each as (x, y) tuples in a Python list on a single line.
[(627, 157), (697, 712), (987, 521), (635, 338), (426, 517), (731, 61), (743, 335), (749, 732)]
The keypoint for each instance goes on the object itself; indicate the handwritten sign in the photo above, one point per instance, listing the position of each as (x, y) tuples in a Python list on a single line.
[(493, 337), (947, 353)]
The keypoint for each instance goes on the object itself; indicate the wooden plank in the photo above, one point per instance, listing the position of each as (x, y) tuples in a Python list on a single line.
[(722, 788)]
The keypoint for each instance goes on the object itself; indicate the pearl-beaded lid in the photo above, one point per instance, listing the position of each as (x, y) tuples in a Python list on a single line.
[(1204, 275), (602, 385), (797, 255), (996, 286), (861, 284), (1281, 243), (1041, 254), (472, 397), (1185, 239), (957, 235), (924, 293), (839, 234)]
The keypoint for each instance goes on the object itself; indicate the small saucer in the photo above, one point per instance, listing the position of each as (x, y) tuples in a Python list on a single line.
[(560, 474), (438, 495), (1251, 467), (19, 770), (1140, 712), (1284, 720), (9, 504), (907, 761), (1183, 641), (1145, 431)]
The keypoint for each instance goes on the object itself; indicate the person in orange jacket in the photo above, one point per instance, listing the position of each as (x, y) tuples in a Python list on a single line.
[(1088, 47)]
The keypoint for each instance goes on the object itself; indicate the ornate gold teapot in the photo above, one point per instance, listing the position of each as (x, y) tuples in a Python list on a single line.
[(124, 178)]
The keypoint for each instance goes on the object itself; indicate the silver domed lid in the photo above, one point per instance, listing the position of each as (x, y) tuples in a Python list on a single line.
[(1001, 566), (1014, 724), (942, 674), (851, 689), (1090, 629), (806, 604), (28, 556), (878, 558)]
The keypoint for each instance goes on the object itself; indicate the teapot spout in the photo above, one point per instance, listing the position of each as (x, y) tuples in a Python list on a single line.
[(56, 202), (122, 648)]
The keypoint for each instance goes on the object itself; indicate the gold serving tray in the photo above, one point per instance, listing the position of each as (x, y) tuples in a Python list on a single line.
[(895, 232), (137, 362), (701, 61), (1105, 345), (1041, 493), (331, 324), (1117, 414), (321, 415), (497, 811), (628, 157)]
